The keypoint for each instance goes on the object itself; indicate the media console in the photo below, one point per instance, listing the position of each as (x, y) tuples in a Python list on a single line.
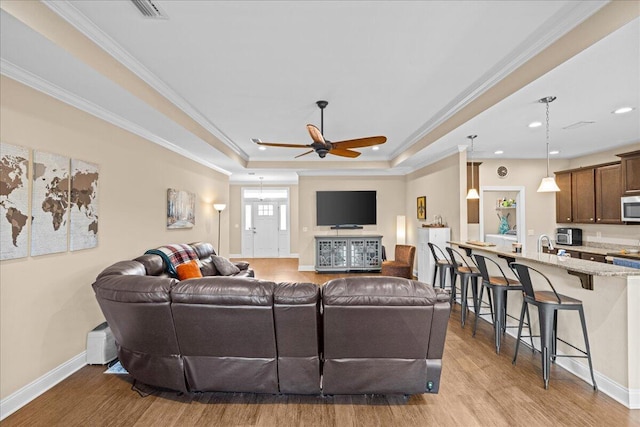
[(348, 253)]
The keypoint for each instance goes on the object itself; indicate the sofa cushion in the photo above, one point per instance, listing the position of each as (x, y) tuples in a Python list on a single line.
[(224, 266), (188, 270), (203, 249), (153, 264), (123, 268), (242, 265)]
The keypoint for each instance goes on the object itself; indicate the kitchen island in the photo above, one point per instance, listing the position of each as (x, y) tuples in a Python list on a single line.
[(611, 297)]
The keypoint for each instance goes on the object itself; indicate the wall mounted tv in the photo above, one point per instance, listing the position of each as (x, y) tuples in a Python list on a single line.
[(346, 209)]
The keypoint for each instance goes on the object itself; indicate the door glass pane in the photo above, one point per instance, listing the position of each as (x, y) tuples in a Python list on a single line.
[(283, 217), (265, 210), (247, 217)]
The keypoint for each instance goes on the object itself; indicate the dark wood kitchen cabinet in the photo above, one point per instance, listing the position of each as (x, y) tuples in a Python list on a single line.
[(583, 201), (631, 172), (563, 197), (590, 195), (608, 192)]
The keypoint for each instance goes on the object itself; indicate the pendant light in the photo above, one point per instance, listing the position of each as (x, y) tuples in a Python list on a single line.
[(548, 183), (473, 193)]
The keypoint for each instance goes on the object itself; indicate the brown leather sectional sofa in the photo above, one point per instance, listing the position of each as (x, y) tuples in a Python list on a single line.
[(239, 334)]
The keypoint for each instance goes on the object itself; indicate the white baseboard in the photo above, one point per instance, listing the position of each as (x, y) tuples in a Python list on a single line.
[(627, 397), (281, 256), (26, 394), (306, 267)]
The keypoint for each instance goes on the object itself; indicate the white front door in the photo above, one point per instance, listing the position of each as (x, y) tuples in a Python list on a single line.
[(265, 232)]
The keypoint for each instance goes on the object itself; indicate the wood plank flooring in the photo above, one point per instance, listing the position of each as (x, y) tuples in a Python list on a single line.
[(478, 388)]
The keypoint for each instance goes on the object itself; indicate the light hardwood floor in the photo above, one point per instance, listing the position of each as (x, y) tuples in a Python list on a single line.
[(478, 388)]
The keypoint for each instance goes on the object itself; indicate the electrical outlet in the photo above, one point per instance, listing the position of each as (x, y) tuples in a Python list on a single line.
[(598, 235), (305, 229), (529, 232)]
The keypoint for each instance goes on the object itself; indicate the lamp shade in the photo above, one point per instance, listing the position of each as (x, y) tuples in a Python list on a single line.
[(219, 206), (548, 185), (473, 194), (401, 234)]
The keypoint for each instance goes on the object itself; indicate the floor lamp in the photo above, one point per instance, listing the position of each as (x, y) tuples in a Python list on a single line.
[(219, 207)]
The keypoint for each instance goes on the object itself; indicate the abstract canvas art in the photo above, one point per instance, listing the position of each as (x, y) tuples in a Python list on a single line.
[(181, 206)]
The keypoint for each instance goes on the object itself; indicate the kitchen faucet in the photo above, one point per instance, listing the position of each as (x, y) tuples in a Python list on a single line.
[(542, 237)]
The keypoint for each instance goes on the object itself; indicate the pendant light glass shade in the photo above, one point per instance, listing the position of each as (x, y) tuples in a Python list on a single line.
[(548, 183), (473, 193)]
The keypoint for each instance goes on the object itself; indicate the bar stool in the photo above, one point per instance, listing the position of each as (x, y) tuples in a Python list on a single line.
[(467, 274), (548, 303), (442, 265), (498, 286)]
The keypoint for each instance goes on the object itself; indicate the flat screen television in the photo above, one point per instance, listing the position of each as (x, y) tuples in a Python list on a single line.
[(346, 208)]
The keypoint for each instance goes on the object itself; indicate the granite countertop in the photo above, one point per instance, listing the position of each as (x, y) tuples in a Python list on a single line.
[(566, 263)]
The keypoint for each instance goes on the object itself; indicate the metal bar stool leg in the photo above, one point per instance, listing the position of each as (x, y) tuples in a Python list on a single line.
[(499, 303), (464, 284), (478, 304), (586, 343), (524, 308), (435, 274), (546, 315)]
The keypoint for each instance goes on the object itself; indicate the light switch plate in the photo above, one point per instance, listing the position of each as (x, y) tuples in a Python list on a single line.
[(529, 232)]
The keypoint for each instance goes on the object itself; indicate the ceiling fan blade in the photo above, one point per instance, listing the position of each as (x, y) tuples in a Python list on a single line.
[(315, 133), (361, 142), (278, 144), (303, 154), (344, 153)]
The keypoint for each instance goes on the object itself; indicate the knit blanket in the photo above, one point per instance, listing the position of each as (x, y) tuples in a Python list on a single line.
[(174, 255)]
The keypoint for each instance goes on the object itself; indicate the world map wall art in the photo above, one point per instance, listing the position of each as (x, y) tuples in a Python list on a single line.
[(64, 203)]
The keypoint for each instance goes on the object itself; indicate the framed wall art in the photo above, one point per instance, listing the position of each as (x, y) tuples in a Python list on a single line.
[(422, 207), (181, 206)]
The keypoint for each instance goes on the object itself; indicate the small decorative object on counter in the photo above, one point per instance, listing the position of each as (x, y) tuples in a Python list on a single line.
[(504, 223)]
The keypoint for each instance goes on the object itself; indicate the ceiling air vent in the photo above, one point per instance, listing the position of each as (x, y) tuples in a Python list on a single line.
[(577, 125), (149, 9)]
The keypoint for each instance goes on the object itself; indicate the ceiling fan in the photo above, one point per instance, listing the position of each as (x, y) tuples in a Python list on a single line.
[(323, 146)]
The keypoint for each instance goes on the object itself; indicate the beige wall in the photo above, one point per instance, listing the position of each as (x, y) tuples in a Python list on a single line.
[(391, 203), (540, 208), (443, 183), (235, 215), (47, 304)]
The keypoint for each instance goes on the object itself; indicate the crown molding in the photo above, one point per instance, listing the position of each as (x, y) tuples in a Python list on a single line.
[(436, 157), (27, 78), (83, 24)]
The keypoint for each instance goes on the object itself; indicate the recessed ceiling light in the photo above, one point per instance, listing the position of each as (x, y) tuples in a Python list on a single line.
[(623, 110), (498, 152), (535, 124), (375, 148), (262, 148), (554, 152)]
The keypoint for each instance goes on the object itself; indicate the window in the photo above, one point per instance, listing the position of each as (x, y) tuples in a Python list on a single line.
[(267, 193), (265, 210), (247, 217), (283, 217)]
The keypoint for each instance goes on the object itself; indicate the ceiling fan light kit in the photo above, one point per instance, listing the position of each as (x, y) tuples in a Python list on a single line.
[(322, 146)]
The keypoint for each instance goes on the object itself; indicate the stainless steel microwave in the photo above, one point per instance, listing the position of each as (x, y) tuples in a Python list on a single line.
[(630, 208)]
